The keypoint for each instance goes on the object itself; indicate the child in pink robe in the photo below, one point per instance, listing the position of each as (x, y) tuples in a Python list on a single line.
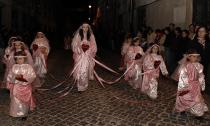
[(191, 83), (153, 63), (126, 45), (16, 46), (40, 48), (84, 49), (181, 64), (19, 80), (134, 55), (5, 60)]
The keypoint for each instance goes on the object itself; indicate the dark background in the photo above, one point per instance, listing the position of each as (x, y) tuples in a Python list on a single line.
[(56, 18)]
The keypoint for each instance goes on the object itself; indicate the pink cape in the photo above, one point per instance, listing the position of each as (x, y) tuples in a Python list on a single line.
[(189, 97), (23, 93)]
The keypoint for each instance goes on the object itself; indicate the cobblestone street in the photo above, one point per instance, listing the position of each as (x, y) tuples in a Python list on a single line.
[(100, 106)]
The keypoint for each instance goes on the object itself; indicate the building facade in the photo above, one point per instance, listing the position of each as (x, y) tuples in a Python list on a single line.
[(130, 15), (160, 13)]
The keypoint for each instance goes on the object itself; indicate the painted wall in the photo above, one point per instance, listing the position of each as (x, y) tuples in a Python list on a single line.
[(162, 12), (159, 13)]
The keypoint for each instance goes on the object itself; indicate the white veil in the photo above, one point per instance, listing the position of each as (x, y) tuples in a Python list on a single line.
[(76, 39), (77, 31), (11, 39), (17, 41), (41, 42)]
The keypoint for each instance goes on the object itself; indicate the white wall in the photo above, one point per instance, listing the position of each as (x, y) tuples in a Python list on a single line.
[(162, 12)]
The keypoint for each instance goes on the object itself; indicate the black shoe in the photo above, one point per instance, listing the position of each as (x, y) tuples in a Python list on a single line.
[(80, 92), (183, 113), (23, 118), (8, 91), (200, 118)]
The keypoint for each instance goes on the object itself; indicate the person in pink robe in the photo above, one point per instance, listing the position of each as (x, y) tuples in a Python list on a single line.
[(125, 46), (181, 64), (40, 48), (9, 48), (19, 80), (153, 63), (16, 46), (84, 49), (134, 55), (5, 59), (191, 83)]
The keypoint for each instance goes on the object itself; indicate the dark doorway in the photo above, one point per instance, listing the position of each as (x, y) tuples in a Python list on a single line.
[(201, 11)]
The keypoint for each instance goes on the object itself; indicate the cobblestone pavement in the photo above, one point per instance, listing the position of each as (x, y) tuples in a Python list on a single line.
[(100, 106)]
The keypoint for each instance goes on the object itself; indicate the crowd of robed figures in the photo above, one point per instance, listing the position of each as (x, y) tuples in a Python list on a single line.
[(25, 72), (142, 69)]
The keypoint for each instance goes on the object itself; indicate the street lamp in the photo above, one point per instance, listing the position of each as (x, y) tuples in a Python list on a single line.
[(90, 12)]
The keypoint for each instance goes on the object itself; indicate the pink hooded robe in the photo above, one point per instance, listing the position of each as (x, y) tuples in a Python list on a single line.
[(10, 61), (134, 76), (83, 62), (191, 83), (6, 59), (151, 74), (21, 92), (40, 58), (181, 64), (124, 56)]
